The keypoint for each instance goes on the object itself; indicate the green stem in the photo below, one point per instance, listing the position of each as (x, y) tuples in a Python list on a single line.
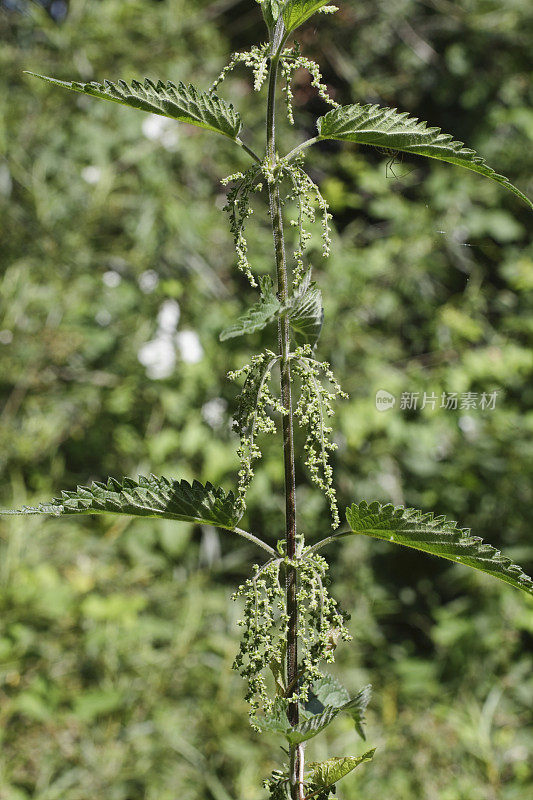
[(295, 753)]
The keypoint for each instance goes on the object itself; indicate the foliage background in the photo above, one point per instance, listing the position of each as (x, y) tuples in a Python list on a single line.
[(116, 637)]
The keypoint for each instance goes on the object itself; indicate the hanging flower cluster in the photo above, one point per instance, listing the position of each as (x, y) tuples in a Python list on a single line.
[(321, 625), (314, 407), (255, 404)]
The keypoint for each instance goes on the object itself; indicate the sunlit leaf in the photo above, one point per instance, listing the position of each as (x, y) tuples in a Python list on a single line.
[(328, 773), (296, 12), (179, 102), (387, 128), (435, 535), (147, 497)]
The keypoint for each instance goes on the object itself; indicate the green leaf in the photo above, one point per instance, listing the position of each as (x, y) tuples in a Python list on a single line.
[(306, 312), (327, 691), (258, 316), (313, 725), (327, 773), (296, 12), (183, 103), (386, 127), (147, 497), (437, 536)]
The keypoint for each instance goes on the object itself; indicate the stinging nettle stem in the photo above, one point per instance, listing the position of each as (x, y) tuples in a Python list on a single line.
[(276, 215)]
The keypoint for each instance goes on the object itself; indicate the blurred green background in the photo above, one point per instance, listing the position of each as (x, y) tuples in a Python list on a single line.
[(117, 275)]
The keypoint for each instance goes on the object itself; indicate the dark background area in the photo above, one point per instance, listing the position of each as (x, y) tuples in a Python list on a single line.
[(117, 276)]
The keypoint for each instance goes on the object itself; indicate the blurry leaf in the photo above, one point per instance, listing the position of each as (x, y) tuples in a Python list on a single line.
[(180, 102), (328, 692), (147, 497), (93, 704), (258, 316), (296, 12), (387, 128), (327, 773), (33, 706), (309, 727), (435, 535)]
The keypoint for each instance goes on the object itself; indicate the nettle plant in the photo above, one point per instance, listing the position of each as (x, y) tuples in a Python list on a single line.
[(291, 625)]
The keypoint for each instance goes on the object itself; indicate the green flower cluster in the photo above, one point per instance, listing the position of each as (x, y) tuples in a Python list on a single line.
[(265, 622), (321, 625), (253, 416), (314, 407), (292, 60), (239, 210), (256, 59), (306, 194)]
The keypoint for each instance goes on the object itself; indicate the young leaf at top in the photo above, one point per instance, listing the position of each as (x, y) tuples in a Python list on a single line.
[(179, 102), (437, 536), (327, 773), (258, 316), (270, 9), (386, 127), (296, 12), (147, 497), (306, 314)]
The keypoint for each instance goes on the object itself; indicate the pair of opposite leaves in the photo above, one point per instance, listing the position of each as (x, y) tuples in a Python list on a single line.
[(362, 124)]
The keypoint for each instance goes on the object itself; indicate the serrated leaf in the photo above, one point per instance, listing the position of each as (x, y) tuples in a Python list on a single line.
[(258, 316), (296, 12), (386, 127), (437, 536), (327, 773), (179, 102), (147, 497), (306, 315)]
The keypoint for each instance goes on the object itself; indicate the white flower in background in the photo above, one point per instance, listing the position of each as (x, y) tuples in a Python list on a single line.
[(148, 281), (469, 426), (111, 278), (213, 412), (153, 126), (162, 130), (191, 351), (6, 337), (158, 357), (103, 317), (168, 317), (91, 174), (170, 138)]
